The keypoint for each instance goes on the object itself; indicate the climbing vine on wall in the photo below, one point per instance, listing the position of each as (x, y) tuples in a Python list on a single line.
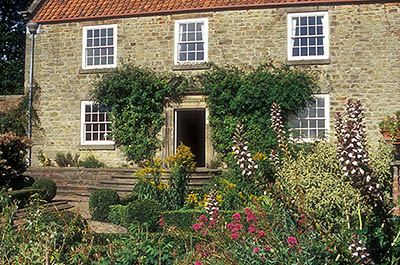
[(237, 95), (136, 97)]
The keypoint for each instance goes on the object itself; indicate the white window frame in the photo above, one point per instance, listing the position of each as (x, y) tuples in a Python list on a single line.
[(83, 129), (205, 40), (326, 116), (84, 46), (290, 36)]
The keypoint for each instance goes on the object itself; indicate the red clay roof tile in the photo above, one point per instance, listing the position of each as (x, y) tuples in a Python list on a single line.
[(64, 10)]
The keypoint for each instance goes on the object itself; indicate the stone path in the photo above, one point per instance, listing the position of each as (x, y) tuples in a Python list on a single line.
[(81, 205)]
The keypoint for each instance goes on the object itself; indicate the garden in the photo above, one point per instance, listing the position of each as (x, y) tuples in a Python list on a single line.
[(277, 201)]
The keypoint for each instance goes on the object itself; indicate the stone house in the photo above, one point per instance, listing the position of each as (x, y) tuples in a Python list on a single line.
[(354, 44)]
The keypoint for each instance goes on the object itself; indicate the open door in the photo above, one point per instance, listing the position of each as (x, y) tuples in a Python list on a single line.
[(190, 128)]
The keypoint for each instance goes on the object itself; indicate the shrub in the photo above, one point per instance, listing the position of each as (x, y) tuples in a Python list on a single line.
[(22, 197), (129, 198), (99, 203), (91, 161), (67, 160), (119, 215), (12, 160), (144, 211), (48, 187), (72, 224)]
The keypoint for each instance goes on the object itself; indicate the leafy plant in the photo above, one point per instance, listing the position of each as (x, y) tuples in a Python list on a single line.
[(12, 159), (239, 96), (391, 124), (137, 97), (100, 202), (67, 160), (43, 159), (48, 188), (90, 161)]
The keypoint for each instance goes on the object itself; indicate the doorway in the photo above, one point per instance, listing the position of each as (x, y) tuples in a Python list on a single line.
[(190, 129)]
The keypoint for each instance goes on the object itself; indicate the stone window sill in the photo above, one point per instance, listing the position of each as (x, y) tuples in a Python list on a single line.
[(187, 67), (309, 62), (96, 71), (96, 147)]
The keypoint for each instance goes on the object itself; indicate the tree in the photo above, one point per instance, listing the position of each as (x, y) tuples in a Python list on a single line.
[(12, 46)]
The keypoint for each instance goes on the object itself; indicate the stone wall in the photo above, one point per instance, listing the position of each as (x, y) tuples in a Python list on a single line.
[(364, 61)]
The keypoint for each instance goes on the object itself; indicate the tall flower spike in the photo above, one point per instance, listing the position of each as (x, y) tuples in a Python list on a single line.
[(352, 153), (241, 153), (277, 126), (212, 203)]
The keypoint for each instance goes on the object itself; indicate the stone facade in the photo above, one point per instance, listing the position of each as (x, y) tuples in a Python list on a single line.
[(363, 64)]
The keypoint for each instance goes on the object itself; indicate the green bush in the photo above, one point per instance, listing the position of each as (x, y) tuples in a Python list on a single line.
[(129, 198), (22, 197), (72, 224), (314, 182), (67, 160), (12, 160), (48, 187), (99, 203), (119, 215), (91, 161), (144, 211)]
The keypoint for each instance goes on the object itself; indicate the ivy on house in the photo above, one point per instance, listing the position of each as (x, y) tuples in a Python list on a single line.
[(236, 95), (136, 97)]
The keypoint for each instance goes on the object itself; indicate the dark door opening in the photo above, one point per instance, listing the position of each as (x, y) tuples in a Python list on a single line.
[(190, 130)]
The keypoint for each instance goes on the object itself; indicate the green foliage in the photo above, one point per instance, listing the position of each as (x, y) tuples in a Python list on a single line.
[(22, 197), (313, 181), (91, 161), (145, 212), (66, 160), (142, 247), (48, 188), (12, 160), (43, 159), (236, 96), (129, 198), (180, 164), (100, 202), (184, 219), (137, 97), (12, 46)]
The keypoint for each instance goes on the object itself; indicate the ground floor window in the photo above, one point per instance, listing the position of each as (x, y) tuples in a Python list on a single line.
[(95, 124), (313, 121)]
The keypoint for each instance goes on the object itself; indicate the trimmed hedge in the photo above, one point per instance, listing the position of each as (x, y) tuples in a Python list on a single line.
[(48, 187), (22, 197), (99, 203)]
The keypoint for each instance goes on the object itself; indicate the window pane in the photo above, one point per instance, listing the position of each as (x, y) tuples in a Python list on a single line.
[(110, 60), (95, 108), (303, 31), (182, 57), (192, 47), (103, 32), (312, 51), (95, 137), (90, 61), (320, 51), (319, 20), (319, 30), (102, 126), (87, 117), (96, 33), (110, 51), (95, 127), (200, 46), (321, 123), (110, 32), (312, 113), (183, 47), (103, 51), (320, 41), (88, 108), (94, 117), (311, 30), (89, 43), (321, 133), (321, 113), (320, 102), (90, 33), (303, 124), (199, 36), (103, 41), (313, 124), (311, 41), (110, 41), (96, 42), (296, 124), (200, 56), (101, 117), (191, 56), (313, 133), (199, 26), (303, 51), (303, 41), (295, 51), (311, 21), (191, 37), (88, 137), (88, 127), (303, 21), (103, 60), (102, 138), (191, 26), (96, 52), (96, 61), (296, 42)]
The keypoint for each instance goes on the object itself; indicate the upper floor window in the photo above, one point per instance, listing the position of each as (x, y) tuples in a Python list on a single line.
[(308, 36), (191, 41), (95, 124), (313, 121), (99, 46)]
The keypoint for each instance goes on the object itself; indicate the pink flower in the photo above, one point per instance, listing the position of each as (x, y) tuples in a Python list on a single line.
[(174, 253), (260, 234), (300, 221), (161, 222), (211, 224), (203, 218), (237, 217), (255, 250), (204, 232), (250, 215), (198, 226), (215, 213), (310, 227), (292, 240), (268, 248), (251, 229), (235, 236), (198, 263), (230, 226)]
